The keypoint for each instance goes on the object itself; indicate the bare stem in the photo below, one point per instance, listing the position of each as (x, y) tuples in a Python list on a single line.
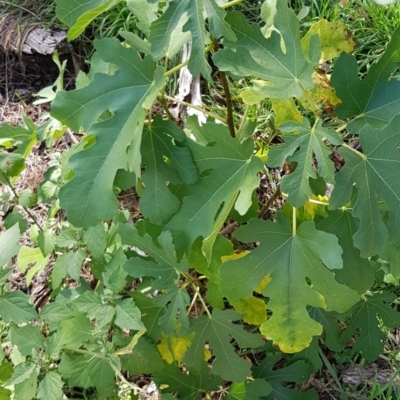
[(244, 118), (25, 208), (184, 103), (294, 222), (165, 108), (196, 288), (268, 204)]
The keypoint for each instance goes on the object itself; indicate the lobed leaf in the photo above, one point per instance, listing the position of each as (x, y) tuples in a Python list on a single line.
[(291, 260), (281, 72), (121, 98), (376, 174), (375, 99)]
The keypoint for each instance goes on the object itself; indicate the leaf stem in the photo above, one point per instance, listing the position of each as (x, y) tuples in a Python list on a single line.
[(196, 288), (25, 208), (322, 203), (363, 156), (294, 222), (232, 3), (129, 348), (268, 204), (165, 71), (183, 64), (176, 69), (184, 103), (134, 387), (165, 108), (243, 121), (192, 303)]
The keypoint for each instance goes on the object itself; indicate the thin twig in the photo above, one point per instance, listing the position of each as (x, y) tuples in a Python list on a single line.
[(268, 204), (244, 119), (232, 3), (165, 108), (229, 228), (210, 114), (25, 208), (196, 289)]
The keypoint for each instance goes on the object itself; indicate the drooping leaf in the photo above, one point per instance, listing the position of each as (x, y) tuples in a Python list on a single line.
[(254, 310), (92, 305), (331, 328), (145, 11), (67, 264), (297, 372), (73, 367), (145, 359), (163, 263), (217, 330), (172, 349), (302, 143), (27, 338), (24, 380), (54, 313), (335, 38), (27, 198), (95, 238), (22, 138), (128, 315), (124, 97), (375, 99), (357, 272), (151, 314), (222, 248), (286, 110), (157, 203), (16, 307), (192, 12), (281, 73), (34, 256), (364, 322), (198, 380), (88, 371), (256, 389), (78, 14), (322, 96), (50, 387), (290, 259), (9, 246), (114, 276), (47, 241), (76, 331), (234, 170), (376, 174), (175, 301)]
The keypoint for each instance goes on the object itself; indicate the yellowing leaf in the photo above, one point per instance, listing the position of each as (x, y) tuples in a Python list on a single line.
[(235, 256), (253, 309), (313, 209), (335, 38), (286, 110), (322, 95), (263, 284), (173, 348)]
